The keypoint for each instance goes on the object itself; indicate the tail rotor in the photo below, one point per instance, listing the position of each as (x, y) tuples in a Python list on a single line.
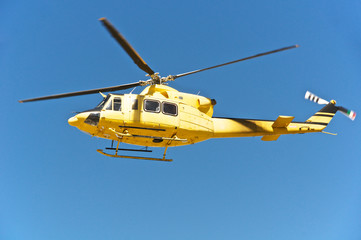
[(348, 113)]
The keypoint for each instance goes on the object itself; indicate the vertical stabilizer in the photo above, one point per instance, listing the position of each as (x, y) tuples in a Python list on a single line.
[(325, 115)]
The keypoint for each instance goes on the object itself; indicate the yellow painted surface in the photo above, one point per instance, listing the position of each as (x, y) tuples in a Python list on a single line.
[(282, 121), (192, 123), (251, 128), (270, 137)]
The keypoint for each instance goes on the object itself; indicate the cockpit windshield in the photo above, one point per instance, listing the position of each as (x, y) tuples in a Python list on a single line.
[(109, 104), (101, 104)]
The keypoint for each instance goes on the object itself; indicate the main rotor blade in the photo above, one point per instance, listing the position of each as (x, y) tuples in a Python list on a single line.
[(127, 47), (235, 61), (71, 94)]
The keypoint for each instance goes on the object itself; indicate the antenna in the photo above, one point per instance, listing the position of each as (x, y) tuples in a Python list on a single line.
[(132, 90)]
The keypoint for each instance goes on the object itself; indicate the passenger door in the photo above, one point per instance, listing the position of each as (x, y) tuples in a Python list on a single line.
[(160, 114)]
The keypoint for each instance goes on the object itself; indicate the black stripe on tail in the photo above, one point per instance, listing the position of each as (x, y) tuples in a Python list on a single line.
[(325, 115)]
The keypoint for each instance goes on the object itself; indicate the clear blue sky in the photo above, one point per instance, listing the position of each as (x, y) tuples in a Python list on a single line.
[(54, 185)]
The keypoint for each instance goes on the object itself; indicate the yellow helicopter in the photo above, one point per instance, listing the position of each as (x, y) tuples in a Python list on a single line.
[(161, 116)]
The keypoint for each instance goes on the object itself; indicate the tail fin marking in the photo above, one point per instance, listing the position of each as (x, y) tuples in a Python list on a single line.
[(325, 115)]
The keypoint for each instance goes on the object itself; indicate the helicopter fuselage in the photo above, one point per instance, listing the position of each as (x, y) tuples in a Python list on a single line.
[(163, 117), (160, 116)]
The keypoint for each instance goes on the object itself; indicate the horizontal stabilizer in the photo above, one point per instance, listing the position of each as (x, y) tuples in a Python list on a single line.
[(282, 121), (270, 137)]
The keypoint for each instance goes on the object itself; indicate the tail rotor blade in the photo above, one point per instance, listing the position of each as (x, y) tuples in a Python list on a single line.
[(348, 113), (312, 97)]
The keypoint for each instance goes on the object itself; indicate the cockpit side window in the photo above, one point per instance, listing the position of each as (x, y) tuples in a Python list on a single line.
[(109, 105), (151, 106), (117, 104), (114, 104)]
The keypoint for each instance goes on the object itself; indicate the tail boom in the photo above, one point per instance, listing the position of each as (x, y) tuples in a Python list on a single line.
[(235, 127), (271, 130)]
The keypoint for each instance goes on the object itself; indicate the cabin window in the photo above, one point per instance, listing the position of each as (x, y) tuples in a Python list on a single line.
[(170, 109), (117, 104), (151, 106), (135, 104)]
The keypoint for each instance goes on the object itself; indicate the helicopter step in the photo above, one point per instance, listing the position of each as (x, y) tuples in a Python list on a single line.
[(129, 149), (126, 149), (134, 157)]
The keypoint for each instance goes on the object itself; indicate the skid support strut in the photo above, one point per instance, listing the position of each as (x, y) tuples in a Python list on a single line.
[(165, 151)]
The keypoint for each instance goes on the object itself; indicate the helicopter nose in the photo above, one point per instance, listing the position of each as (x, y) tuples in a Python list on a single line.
[(73, 121)]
